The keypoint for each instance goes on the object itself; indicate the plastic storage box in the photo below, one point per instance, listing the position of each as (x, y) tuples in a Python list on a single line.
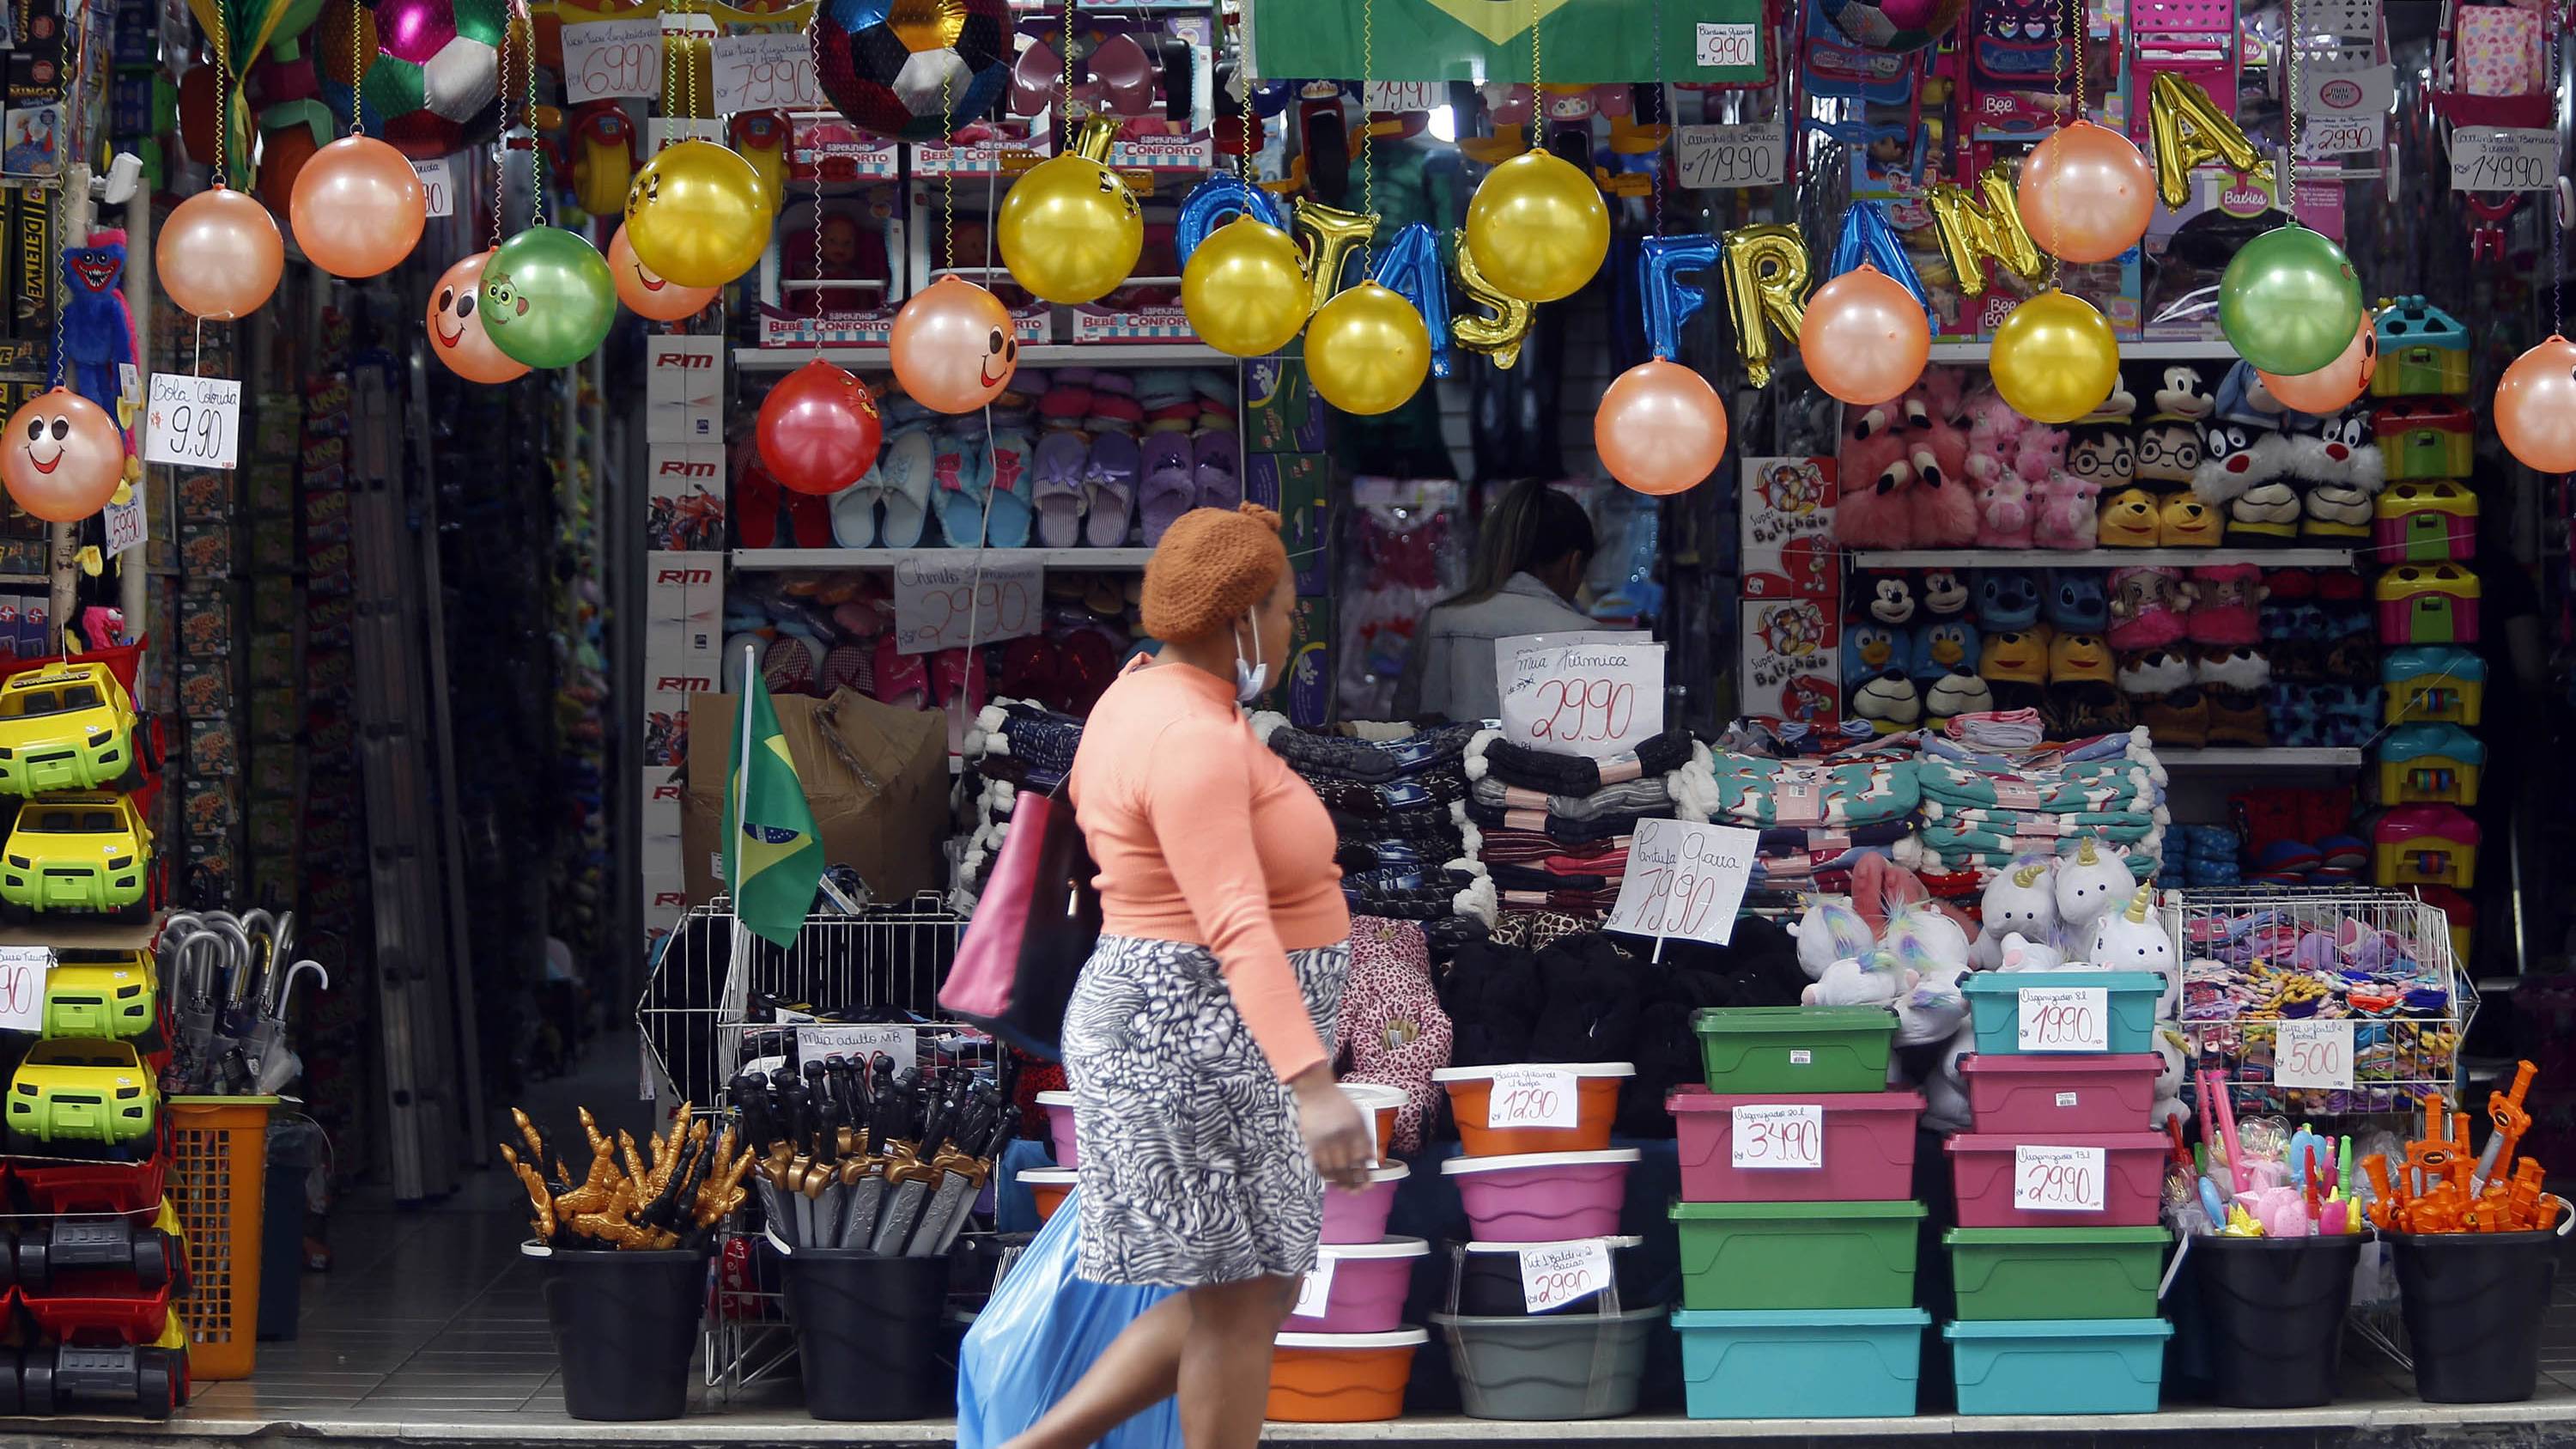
[(2425, 520), (1846, 1363), (2059, 1366), (2004, 1274), (2434, 684), (1549, 1369), (2059, 1092), (1989, 1173), (1800, 1049), (2435, 764), (1863, 1152), (1750, 1256), (2427, 604), (1994, 1007)]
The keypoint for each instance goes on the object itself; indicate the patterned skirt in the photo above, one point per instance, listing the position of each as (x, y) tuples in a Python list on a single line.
[(1191, 1166)]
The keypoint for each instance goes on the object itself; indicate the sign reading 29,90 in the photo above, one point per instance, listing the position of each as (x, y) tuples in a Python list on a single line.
[(1589, 694)]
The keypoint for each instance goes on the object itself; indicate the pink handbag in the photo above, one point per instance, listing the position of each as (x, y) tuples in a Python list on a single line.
[(1032, 930)]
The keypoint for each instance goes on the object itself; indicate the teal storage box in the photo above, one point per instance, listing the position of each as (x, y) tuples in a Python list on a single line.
[(2059, 1366), (1994, 1006), (1807, 1363)]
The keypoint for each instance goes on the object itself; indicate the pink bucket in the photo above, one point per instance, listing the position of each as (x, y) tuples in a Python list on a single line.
[(1360, 1217), (1543, 1197), (1059, 1110), (1366, 1289)]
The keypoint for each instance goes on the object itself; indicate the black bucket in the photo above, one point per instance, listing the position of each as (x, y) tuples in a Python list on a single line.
[(2473, 1303), (2271, 1310), (626, 1328), (867, 1333)]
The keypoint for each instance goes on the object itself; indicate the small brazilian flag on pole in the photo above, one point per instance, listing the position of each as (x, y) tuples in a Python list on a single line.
[(772, 859)]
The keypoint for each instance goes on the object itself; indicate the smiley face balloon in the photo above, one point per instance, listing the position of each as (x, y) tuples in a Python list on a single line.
[(456, 335), (953, 346), (648, 294), (63, 457)]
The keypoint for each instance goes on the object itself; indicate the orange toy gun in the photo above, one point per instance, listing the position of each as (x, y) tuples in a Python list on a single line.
[(2387, 1210), (2504, 1110), (2528, 1202)]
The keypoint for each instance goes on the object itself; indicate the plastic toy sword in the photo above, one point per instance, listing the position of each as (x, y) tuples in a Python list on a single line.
[(2504, 1110)]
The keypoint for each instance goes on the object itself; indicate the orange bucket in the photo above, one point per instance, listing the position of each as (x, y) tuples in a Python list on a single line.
[(1341, 1378), (1049, 1185), (1378, 1104), (1538, 1092)]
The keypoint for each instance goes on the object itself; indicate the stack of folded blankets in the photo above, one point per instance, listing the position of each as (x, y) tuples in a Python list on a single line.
[(1556, 827), (1981, 809), (1396, 795), (1818, 818), (1015, 745)]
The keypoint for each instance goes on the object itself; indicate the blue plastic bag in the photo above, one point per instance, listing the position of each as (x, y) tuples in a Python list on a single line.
[(1039, 1334)]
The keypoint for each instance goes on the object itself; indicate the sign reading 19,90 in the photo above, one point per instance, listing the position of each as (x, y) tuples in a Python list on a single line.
[(193, 422)]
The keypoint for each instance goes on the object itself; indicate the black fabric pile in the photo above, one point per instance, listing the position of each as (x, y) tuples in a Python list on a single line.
[(1394, 809)]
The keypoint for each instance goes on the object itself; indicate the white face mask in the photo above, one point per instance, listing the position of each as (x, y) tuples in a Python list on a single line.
[(1253, 678)]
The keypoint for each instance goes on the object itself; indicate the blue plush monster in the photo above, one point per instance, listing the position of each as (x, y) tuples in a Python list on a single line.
[(98, 328)]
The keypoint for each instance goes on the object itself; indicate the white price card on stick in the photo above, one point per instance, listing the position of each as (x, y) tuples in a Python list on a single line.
[(22, 986), (1684, 879), (1708, 158), (1532, 1097), (768, 71), (1556, 1274), (2504, 158), (1314, 1291), (948, 603), (1595, 694), (858, 1042), (1777, 1137), (604, 58), (2064, 1019), (2057, 1179), (2313, 1053), (193, 422)]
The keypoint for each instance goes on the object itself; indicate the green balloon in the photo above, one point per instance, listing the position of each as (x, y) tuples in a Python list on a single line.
[(548, 297), (2290, 302)]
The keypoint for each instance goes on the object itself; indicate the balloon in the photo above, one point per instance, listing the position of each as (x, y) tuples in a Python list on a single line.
[(1410, 268), (1893, 25), (1537, 227), (818, 430), (1972, 231), (1766, 286), (1212, 204), (915, 71), (2289, 301), (2086, 193), (1671, 302), (455, 318), (547, 297), (953, 346), (2331, 389), (63, 456), (219, 255), (1865, 338), (698, 214), (1070, 230), (1367, 350), (2535, 408), (1242, 290), (432, 68), (2188, 128), (1331, 236), (1498, 334), (1867, 240), (648, 293), (1660, 429), (357, 208), (2054, 358)]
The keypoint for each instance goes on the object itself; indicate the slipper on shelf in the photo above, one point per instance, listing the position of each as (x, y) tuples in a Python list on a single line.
[(1101, 595), (906, 473), (755, 504), (1030, 667), (1171, 484), (1218, 469), (845, 666), (854, 510), (1064, 405), (1013, 507), (1109, 482), (957, 682), (1116, 411), (902, 680), (740, 649), (1058, 487), (1090, 663), (809, 518), (963, 473), (788, 664), (860, 618), (1160, 387)]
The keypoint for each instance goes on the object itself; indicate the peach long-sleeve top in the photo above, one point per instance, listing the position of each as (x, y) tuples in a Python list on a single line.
[(1203, 835)]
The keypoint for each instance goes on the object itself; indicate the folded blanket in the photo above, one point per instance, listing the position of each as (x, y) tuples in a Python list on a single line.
[(2042, 822), (1528, 878), (1788, 838), (1368, 761), (1999, 729), (1558, 828), (1427, 791), (2095, 786), (2035, 833), (1634, 797), (1560, 774), (1750, 790)]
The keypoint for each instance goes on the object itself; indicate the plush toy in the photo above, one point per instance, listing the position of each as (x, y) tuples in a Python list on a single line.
[(2159, 688), (1943, 647), (2345, 472), (2167, 449), (1869, 979), (2128, 520), (2226, 604), (1830, 931), (2007, 599), (1877, 471), (1933, 1008), (1995, 439), (2170, 1044), (2134, 939), (2066, 518), (2147, 607), (2103, 454), (2089, 883), (1945, 593), (1953, 695), (98, 328), (1890, 702), (2020, 953), (2182, 391), (2234, 679), (1945, 1090), (2014, 664), (2186, 520), (1886, 597), (2004, 511), (1942, 509), (2076, 600), (2020, 898), (1922, 938), (2075, 657), (1872, 649)]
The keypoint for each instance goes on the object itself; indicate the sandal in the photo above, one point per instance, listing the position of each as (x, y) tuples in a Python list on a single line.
[(901, 680), (1171, 485), (1220, 483), (854, 510), (1014, 510), (963, 469)]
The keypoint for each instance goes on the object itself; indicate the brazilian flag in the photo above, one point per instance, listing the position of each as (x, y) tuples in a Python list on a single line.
[(772, 858), (1588, 42)]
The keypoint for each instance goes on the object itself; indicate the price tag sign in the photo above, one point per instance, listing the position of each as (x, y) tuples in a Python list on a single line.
[(1685, 880), (604, 58), (2501, 158), (1399, 97), (1727, 43), (22, 986), (1315, 1291), (770, 71), (2057, 1179), (437, 186), (943, 604), (194, 422), (1726, 157), (1786, 1136), (2344, 103), (2065, 1019), (1531, 1097), (1580, 694), (2313, 1054), (125, 526), (858, 1043), (1556, 1274)]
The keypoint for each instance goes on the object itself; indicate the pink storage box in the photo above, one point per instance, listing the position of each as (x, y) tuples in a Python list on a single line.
[(1543, 1197), (2133, 1173), (1059, 1110), (2040, 1096), (1368, 1287), (1360, 1217), (1868, 1148)]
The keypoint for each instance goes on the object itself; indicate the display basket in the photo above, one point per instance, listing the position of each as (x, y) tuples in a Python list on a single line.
[(218, 1184)]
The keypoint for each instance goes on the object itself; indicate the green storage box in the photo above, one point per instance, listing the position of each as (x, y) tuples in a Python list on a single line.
[(2054, 1273), (1752, 1256), (1795, 1048)]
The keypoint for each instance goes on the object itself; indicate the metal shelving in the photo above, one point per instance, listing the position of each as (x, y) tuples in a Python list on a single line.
[(777, 559), (2099, 558)]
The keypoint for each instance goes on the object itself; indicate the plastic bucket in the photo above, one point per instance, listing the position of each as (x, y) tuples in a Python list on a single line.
[(1485, 1281), (1365, 1287), (867, 1333), (1549, 1369), (625, 1326), (1360, 1217), (1047, 1187), (1341, 1378), (2272, 1309), (1543, 1197), (1379, 1104), (1596, 1104), (1059, 1110), (2472, 1304)]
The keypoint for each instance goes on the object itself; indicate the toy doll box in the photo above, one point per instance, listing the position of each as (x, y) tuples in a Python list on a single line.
[(2428, 604), (1791, 652), (2444, 686), (1830, 1147), (1787, 521), (2425, 520)]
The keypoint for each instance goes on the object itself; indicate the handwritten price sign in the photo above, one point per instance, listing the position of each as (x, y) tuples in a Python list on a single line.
[(944, 605), (437, 186), (2313, 1054), (1728, 157), (1726, 43), (125, 523), (1399, 97), (1578, 694), (2065, 1019), (859, 1044), (2057, 1179), (604, 58), (194, 422), (1314, 1291), (2501, 158), (1684, 880), (22, 986), (772, 71), (1786, 1136), (1556, 1274), (1531, 1097)]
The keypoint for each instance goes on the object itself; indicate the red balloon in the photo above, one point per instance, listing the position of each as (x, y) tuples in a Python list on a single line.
[(62, 457), (1865, 338), (2332, 388), (818, 429), (2086, 193), (1660, 428), (2535, 407)]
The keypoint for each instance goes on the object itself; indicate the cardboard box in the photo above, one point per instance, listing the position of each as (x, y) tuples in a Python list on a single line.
[(1279, 412), (1791, 653), (1786, 523), (876, 777), (1305, 518)]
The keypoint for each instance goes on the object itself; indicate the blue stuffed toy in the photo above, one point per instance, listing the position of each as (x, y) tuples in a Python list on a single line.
[(98, 328)]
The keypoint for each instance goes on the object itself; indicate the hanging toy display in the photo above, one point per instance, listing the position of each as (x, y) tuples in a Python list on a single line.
[(1866, 334), (1070, 231), (62, 457), (914, 71), (2332, 388), (698, 214), (455, 320), (1660, 428), (548, 299), (98, 326), (2086, 193), (818, 429), (953, 346), (1893, 26), (432, 68), (1241, 285), (357, 208), (219, 255), (647, 293), (1537, 227), (2289, 301)]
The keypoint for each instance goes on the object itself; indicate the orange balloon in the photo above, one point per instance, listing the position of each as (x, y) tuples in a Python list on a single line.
[(62, 457), (2535, 407), (1660, 428), (219, 255), (2086, 193), (458, 331), (2331, 389), (1865, 338), (953, 347), (358, 208), (647, 294)]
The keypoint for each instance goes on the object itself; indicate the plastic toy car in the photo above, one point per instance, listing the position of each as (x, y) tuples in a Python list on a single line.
[(65, 727), (111, 996), (87, 850), (82, 1091)]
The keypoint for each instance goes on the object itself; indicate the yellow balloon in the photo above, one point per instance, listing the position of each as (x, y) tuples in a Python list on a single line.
[(1070, 230), (2055, 358), (1367, 351), (698, 215), (1242, 290), (1537, 227)]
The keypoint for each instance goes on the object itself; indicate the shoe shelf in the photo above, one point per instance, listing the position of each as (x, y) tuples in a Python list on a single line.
[(2099, 558), (1035, 354), (2131, 350), (2264, 757), (1069, 559)]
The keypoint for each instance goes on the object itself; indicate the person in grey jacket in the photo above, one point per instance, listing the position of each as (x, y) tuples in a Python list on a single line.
[(1530, 559)]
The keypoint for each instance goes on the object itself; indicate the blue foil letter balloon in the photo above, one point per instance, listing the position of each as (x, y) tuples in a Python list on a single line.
[(1670, 301), (1410, 268), (1214, 202), (1866, 237)]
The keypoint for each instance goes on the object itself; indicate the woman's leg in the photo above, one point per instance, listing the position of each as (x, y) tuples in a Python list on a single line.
[(1225, 1360), (1138, 1370)]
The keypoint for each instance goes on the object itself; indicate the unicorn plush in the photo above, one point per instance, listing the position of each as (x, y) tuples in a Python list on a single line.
[(2089, 883), (1830, 932), (2020, 953), (2021, 898), (2169, 1042), (1945, 1090), (2134, 940), (1869, 979)]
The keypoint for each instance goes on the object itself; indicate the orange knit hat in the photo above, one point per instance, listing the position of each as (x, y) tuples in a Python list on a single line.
[(1212, 565)]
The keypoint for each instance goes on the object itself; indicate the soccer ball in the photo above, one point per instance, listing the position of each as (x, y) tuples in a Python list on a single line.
[(434, 67), (889, 64), (1895, 26)]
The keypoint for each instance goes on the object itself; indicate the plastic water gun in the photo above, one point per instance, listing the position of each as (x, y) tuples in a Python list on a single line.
[(2504, 1112)]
